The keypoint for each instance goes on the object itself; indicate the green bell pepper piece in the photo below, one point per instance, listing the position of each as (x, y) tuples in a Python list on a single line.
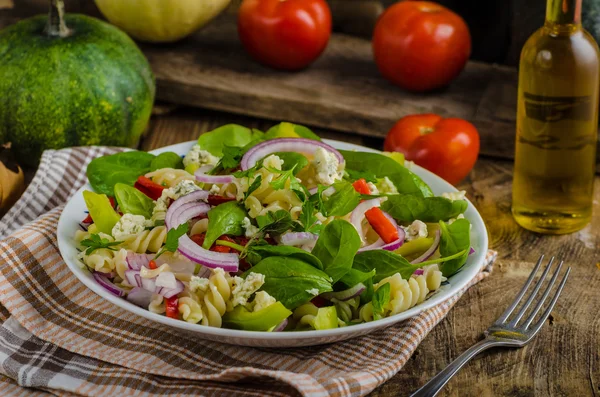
[(102, 212), (262, 320)]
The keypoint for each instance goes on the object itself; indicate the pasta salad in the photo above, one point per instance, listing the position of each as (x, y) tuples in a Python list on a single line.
[(269, 231)]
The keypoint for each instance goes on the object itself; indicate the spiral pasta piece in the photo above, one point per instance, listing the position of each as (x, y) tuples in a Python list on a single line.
[(157, 304), (146, 241), (169, 177)]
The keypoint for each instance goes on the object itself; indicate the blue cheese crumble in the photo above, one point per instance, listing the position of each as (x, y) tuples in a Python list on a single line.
[(128, 225), (199, 157), (327, 167)]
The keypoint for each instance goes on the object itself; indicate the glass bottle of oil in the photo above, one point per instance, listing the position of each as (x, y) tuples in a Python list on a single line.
[(557, 124)]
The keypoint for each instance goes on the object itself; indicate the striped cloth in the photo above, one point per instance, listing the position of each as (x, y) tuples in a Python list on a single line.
[(59, 338)]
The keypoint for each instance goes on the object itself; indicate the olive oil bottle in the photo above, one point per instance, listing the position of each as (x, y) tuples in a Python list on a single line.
[(557, 124)]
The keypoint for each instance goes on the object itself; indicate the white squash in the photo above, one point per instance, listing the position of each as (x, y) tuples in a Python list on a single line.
[(160, 21)]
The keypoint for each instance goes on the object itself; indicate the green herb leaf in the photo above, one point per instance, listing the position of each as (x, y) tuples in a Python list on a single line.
[(381, 298), (454, 239), (255, 185), (246, 174), (408, 208), (95, 242), (172, 242), (231, 157), (343, 201), (336, 247), (289, 280), (356, 175), (125, 167), (308, 219), (292, 161), (132, 201), (226, 218), (166, 160), (381, 166), (275, 223)]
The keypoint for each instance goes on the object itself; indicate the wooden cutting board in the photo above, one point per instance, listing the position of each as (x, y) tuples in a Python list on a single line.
[(342, 90)]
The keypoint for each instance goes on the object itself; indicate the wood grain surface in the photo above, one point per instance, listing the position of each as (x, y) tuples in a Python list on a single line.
[(563, 360)]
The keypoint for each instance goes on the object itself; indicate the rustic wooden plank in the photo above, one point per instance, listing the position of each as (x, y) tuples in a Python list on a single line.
[(563, 360)]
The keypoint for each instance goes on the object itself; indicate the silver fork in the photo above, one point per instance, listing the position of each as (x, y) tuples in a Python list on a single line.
[(504, 332)]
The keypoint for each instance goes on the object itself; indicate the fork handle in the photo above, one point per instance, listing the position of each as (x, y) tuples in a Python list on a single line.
[(436, 383)]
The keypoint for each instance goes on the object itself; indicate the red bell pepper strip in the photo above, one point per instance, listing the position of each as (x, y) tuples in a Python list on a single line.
[(214, 199), (378, 221), (361, 186), (149, 188), (172, 307)]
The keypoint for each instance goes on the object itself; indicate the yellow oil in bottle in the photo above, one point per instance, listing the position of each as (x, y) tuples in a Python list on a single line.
[(557, 124)]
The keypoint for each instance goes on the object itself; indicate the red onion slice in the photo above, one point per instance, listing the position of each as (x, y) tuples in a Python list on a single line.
[(357, 216), (418, 272), (281, 326), (299, 238), (149, 284), (137, 261), (345, 294), (427, 254), (107, 284), (201, 176), (133, 277), (394, 245), (471, 251), (170, 292), (297, 145), (140, 297)]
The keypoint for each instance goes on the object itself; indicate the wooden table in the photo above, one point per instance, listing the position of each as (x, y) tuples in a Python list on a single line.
[(564, 360)]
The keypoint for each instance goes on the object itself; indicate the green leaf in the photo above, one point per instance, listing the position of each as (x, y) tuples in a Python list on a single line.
[(101, 210), (317, 199), (454, 239), (262, 320), (166, 160), (106, 171), (408, 208), (355, 276), (261, 252), (356, 175), (289, 280), (231, 157), (385, 264), (292, 161), (173, 236), (381, 166), (381, 298), (230, 135), (252, 188), (132, 201), (223, 219), (343, 201), (336, 247), (95, 242), (289, 130), (308, 219), (275, 223), (280, 181)]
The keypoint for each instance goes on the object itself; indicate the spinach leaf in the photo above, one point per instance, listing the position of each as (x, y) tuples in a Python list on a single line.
[(132, 201), (261, 252), (355, 276), (356, 175), (223, 219), (289, 130), (381, 166), (292, 161), (230, 135), (336, 247), (343, 201), (385, 264), (381, 298), (166, 160), (291, 281), (125, 167), (454, 239), (275, 223), (173, 237), (407, 208)]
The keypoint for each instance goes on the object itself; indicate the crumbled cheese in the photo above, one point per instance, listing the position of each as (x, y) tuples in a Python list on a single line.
[(386, 186), (261, 300), (250, 229), (181, 189), (327, 167), (166, 279), (416, 230), (455, 195), (373, 188), (198, 284), (273, 161), (313, 291), (215, 189), (452, 220), (129, 224), (408, 164), (199, 157), (244, 288)]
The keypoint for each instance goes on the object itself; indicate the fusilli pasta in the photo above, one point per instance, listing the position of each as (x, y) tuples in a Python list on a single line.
[(169, 177)]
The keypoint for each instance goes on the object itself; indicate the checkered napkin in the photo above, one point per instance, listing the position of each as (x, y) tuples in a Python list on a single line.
[(59, 338)]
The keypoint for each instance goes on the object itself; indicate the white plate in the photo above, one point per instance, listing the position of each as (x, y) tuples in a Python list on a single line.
[(74, 212)]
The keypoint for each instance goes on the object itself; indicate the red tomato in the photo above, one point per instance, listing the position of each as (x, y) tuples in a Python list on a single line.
[(420, 45), (172, 307), (284, 34), (446, 147)]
